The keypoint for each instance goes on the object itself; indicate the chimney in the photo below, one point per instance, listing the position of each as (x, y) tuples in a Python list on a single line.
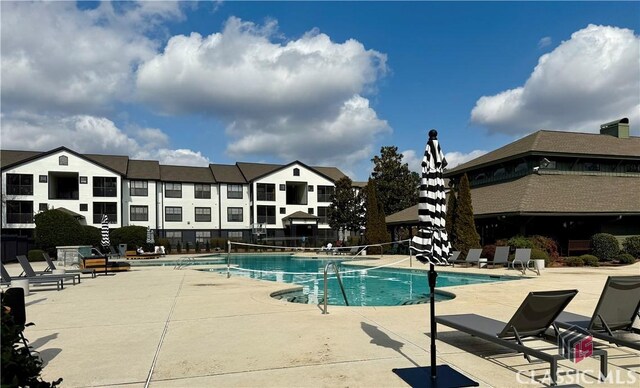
[(616, 128)]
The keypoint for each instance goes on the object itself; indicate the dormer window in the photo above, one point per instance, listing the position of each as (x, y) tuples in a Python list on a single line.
[(63, 161), (296, 172)]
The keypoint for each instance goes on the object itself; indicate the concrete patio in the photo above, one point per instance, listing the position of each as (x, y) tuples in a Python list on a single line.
[(163, 327)]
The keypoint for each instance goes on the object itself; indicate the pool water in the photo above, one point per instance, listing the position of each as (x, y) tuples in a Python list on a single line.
[(363, 286)]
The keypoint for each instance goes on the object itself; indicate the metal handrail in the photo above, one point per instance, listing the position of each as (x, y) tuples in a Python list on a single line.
[(181, 263), (326, 270)]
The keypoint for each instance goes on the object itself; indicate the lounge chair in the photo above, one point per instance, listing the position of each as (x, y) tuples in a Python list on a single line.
[(453, 258), (51, 266), (473, 258), (535, 315), (29, 272), (501, 257), (615, 312), (523, 259), (35, 281)]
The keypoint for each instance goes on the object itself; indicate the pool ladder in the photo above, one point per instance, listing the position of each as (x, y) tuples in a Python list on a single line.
[(184, 262), (326, 270)]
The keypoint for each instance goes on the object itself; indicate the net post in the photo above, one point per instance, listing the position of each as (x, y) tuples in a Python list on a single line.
[(410, 256), (228, 259)]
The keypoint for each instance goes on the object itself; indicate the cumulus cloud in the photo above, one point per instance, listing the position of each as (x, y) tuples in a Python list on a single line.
[(544, 42), (456, 158), (297, 99), (91, 134), (58, 58), (413, 159), (587, 80)]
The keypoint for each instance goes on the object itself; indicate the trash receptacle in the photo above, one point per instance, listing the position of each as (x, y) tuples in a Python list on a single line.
[(122, 249)]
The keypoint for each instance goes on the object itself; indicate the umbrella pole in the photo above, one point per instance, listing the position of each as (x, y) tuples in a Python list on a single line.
[(432, 286)]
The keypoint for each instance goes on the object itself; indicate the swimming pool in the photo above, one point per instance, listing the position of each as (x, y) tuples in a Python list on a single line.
[(363, 286)]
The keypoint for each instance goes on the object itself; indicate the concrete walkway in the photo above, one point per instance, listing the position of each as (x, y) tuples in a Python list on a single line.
[(179, 328)]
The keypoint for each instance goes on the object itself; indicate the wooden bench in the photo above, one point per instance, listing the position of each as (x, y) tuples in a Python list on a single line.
[(133, 255), (578, 246), (101, 264)]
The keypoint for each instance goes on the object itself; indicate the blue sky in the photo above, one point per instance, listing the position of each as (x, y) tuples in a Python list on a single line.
[(327, 83)]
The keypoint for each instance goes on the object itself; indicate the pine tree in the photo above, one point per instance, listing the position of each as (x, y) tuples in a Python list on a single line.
[(466, 236), (450, 220), (376, 232)]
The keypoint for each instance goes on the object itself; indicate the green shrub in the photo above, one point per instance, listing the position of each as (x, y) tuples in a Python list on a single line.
[(90, 235), (546, 244), (604, 246), (197, 247), (631, 245), (520, 242), (179, 247), (186, 247), (207, 246), (539, 254), (165, 243), (625, 258), (574, 262), (56, 228), (590, 260), (133, 236), (35, 255)]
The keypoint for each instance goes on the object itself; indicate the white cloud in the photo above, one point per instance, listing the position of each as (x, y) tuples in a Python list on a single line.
[(414, 159), (90, 134), (545, 42), (56, 57), (590, 79), (300, 99), (456, 158)]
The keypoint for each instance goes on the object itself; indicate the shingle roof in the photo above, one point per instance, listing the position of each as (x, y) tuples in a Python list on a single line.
[(557, 142), (300, 215), (227, 173), (115, 162), (406, 216), (8, 157), (186, 174), (559, 194), (143, 169), (253, 170), (332, 172)]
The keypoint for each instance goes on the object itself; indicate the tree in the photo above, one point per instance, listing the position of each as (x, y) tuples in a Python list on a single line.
[(397, 187), (56, 228), (346, 211), (376, 232), (450, 220), (466, 235)]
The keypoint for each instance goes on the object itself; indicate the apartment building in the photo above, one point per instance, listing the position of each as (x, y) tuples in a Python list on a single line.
[(244, 201)]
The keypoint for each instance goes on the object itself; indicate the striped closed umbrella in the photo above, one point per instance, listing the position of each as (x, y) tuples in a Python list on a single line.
[(432, 243), (105, 242), (150, 237)]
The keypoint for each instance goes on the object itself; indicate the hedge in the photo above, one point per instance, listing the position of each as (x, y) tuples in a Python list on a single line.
[(590, 260), (604, 246), (574, 262), (133, 236), (631, 245), (56, 228), (35, 255), (625, 258)]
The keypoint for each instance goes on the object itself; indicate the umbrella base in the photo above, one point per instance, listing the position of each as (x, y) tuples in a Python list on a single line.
[(447, 377)]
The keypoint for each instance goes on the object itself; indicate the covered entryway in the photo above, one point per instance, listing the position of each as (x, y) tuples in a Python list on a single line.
[(301, 228)]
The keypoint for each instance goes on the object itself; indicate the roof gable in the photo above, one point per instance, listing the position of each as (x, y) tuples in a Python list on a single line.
[(116, 164)]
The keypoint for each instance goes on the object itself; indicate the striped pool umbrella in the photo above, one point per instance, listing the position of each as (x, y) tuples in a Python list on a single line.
[(105, 242), (432, 243), (150, 238)]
